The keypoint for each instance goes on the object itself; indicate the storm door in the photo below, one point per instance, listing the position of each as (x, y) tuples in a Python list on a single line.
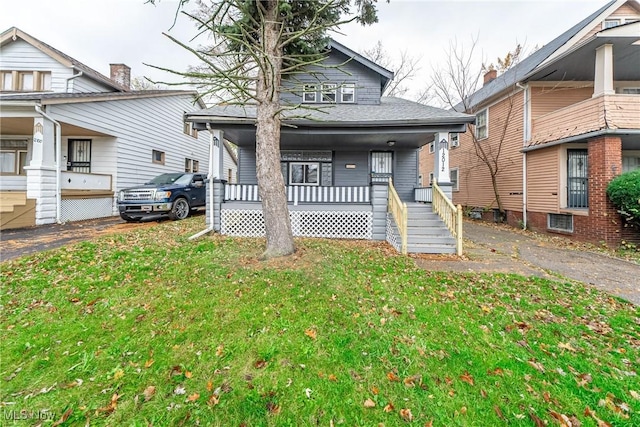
[(381, 166), (79, 155)]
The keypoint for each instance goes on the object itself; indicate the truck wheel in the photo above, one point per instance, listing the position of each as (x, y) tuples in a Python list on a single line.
[(129, 218), (180, 209)]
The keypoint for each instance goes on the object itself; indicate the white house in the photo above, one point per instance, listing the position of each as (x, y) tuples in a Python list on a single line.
[(70, 137)]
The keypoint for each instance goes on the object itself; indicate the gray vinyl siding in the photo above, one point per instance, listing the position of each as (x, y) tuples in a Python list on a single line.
[(21, 56), (367, 82), (84, 84), (140, 126), (405, 169), (227, 164)]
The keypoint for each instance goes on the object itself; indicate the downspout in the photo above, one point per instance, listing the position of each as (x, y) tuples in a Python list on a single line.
[(75, 76), (525, 138), (58, 142), (211, 178)]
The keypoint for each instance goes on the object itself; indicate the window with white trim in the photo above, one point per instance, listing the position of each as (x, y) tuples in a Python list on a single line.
[(309, 93), (25, 81), (610, 23), (630, 163), (306, 173), (454, 140), (453, 176), (348, 93), (329, 91), (482, 122), (13, 157)]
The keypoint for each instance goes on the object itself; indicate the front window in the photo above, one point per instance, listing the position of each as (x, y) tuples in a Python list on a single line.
[(482, 119), (13, 157), (577, 179), (453, 176), (329, 92), (304, 173)]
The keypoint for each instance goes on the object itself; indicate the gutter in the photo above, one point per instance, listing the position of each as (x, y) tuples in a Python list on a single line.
[(58, 142), (525, 132), (211, 178), (75, 76), (581, 137)]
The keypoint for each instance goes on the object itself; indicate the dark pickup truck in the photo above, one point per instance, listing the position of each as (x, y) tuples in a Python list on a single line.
[(172, 194)]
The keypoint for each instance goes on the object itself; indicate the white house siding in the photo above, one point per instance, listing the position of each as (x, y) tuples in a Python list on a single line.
[(83, 84), (140, 126), (13, 183), (21, 56)]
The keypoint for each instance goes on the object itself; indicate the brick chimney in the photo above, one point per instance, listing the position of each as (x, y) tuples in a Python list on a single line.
[(121, 74), (488, 76)]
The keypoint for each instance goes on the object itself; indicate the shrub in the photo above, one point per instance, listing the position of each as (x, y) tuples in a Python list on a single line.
[(624, 193)]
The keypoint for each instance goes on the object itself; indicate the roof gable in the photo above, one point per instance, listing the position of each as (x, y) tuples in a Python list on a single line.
[(386, 75), (14, 33), (555, 47)]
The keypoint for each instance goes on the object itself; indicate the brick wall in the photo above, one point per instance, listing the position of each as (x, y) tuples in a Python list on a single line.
[(605, 163)]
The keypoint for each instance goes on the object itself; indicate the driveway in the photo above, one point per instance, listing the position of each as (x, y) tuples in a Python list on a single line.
[(493, 248)]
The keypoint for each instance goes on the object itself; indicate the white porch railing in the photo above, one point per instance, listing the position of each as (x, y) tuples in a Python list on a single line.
[(85, 181), (450, 214), (302, 194), (423, 194), (400, 213)]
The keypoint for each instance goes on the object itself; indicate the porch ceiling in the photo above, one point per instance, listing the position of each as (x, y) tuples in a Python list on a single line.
[(328, 138), (24, 126)]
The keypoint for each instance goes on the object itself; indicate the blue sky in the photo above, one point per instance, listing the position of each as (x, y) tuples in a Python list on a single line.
[(99, 32)]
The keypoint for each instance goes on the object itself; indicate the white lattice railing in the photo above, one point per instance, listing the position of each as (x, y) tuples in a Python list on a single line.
[(399, 211), (423, 194), (302, 194), (450, 214), (308, 223)]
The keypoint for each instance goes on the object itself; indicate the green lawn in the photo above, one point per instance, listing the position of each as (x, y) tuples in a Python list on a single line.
[(148, 328)]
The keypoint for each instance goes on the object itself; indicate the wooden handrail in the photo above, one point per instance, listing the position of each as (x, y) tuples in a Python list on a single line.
[(450, 214), (399, 211)]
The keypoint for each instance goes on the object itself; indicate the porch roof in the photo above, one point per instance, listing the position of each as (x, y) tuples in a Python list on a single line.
[(397, 119), (48, 98)]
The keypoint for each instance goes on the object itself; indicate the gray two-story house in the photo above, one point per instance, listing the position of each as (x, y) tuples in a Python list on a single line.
[(349, 156)]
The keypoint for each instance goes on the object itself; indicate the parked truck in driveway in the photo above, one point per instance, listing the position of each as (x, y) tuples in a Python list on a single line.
[(173, 194)]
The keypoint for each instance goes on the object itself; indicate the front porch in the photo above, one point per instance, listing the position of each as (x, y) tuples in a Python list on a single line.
[(373, 212)]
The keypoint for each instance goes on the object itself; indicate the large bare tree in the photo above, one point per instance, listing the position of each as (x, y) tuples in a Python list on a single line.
[(257, 44), (454, 86), (404, 68)]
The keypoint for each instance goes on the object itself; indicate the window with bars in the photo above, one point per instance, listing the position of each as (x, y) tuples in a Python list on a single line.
[(560, 222), (577, 179)]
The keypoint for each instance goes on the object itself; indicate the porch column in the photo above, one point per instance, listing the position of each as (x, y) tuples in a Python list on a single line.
[(603, 81), (604, 223), (441, 163), (216, 157), (41, 171)]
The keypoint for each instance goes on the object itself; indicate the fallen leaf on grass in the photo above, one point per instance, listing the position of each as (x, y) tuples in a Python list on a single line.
[(210, 385), (188, 374), (311, 333), (634, 394), (193, 397), (119, 374), (411, 381), (273, 408), (566, 346), (148, 363), (392, 377), (498, 412), (220, 350), (536, 365), (149, 392), (180, 390), (63, 418), (467, 378), (113, 404), (497, 371), (175, 371), (259, 364), (428, 423), (213, 400), (332, 377), (536, 420), (562, 419), (388, 407), (369, 403), (406, 414)]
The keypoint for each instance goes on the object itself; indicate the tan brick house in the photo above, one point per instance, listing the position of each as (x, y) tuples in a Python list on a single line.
[(561, 125)]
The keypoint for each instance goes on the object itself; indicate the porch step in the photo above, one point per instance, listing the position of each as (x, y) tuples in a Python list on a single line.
[(426, 233), (16, 210)]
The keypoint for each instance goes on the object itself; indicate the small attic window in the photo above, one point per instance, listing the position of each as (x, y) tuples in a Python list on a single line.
[(329, 92), (610, 23), (309, 93)]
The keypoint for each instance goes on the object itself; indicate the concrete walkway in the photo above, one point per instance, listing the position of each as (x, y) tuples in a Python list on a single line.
[(492, 248)]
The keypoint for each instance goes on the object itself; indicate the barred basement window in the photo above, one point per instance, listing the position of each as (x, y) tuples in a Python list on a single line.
[(560, 222)]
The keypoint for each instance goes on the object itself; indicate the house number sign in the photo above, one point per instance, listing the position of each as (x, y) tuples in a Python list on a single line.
[(38, 130)]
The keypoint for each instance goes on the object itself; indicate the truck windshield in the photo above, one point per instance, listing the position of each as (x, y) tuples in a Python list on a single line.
[(171, 178)]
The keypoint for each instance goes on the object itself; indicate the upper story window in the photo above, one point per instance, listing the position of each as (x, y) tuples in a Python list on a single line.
[(310, 93), (25, 81), (482, 121), (188, 129), (610, 23), (348, 93), (454, 140), (329, 91)]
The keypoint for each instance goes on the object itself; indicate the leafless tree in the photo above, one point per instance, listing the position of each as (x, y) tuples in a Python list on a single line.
[(404, 69)]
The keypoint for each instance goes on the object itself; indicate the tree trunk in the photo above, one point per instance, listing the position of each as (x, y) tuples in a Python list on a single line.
[(270, 181)]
